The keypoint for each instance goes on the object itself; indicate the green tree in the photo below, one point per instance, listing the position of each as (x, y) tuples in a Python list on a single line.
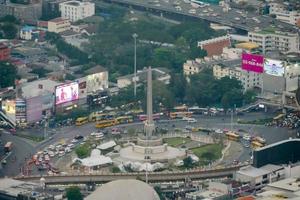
[(9, 30), (83, 151), (8, 74), (73, 193), (232, 98), (9, 19), (178, 86), (188, 162), (249, 96)]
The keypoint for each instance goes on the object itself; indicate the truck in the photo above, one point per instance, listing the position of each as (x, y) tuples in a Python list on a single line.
[(8, 147)]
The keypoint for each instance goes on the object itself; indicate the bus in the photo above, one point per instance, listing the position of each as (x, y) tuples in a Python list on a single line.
[(155, 116), (182, 108), (256, 144), (260, 139), (174, 115), (232, 136), (81, 120), (106, 123), (105, 116), (8, 147), (124, 119)]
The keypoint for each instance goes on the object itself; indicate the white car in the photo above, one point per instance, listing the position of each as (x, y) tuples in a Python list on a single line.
[(189, 120), (192, 11), (74, 141)]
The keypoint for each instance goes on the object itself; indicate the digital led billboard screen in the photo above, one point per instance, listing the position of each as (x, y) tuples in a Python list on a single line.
[(274, 67), (254, 63), (66, 93)]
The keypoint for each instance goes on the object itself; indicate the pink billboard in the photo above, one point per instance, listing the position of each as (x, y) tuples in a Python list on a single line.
[(254, 63)]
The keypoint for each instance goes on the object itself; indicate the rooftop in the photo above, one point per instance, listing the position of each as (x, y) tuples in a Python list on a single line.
[(95, 70), (14, 187), (59, 19), (125, 190), (252, 171), (289, 184)]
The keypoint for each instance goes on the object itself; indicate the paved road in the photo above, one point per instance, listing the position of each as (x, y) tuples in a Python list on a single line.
[(213, 13), (24, 149), (21, 150)]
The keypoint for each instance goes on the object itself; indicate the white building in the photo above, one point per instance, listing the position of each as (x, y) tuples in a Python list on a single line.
[(58, 25), (76, 10), (269, 40), (283, 14), (233, 68)]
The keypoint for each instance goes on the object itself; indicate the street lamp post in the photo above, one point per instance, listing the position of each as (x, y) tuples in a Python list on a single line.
[(134, 78)]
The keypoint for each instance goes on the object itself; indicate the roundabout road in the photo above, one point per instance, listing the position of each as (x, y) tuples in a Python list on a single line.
[(272, 134)]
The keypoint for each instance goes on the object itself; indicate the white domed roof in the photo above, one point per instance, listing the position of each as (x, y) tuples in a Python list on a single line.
[(125, 190)]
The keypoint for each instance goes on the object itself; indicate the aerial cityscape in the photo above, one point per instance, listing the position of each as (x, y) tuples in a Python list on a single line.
[(149, 99)]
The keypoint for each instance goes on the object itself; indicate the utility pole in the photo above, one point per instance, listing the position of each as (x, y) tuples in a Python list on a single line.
[(134, 78)]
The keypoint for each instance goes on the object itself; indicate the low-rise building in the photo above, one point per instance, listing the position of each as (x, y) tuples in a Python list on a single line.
[(4, 52), (158, 74), (76, 10), (215, 46), (191, 67), (232, 68), (58, 25)]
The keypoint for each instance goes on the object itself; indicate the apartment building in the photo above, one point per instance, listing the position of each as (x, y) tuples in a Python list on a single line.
[(232, 69), (76, 10), (282, 13), (59, 25), (269, 40)]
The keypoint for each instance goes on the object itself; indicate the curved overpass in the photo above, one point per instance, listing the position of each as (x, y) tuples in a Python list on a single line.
[(152, 176)]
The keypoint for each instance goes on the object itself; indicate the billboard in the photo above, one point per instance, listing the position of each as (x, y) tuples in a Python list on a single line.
[(254, 63), (274, 67), (66, 93)]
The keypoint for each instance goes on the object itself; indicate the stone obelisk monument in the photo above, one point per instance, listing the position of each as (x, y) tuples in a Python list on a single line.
[(149, 125)]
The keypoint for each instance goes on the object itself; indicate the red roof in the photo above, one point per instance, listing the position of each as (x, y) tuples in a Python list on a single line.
[(42, 24), (59, 19)]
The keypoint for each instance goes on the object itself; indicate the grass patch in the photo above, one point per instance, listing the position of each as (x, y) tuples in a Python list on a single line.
[(176, 141), (31, 137), (257, 121), (208, 152)]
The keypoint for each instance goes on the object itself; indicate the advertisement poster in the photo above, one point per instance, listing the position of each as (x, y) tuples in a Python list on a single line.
[(274, 67), (66, 93), (253, 63)]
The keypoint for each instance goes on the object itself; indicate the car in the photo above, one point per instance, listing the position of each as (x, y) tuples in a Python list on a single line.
[(74, 141), (93, 134), (70, 146), (78, 137), (219, 131)]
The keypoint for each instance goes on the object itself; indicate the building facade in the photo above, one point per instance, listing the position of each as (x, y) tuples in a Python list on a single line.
[(76, 10), (30, 13), (270, 40), (215, 46), (249, 79), (58, 25), (4, 52)]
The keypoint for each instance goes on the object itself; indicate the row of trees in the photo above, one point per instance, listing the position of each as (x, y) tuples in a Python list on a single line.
[(8, 74), (202, 90), (112, 46), (8, 27)]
